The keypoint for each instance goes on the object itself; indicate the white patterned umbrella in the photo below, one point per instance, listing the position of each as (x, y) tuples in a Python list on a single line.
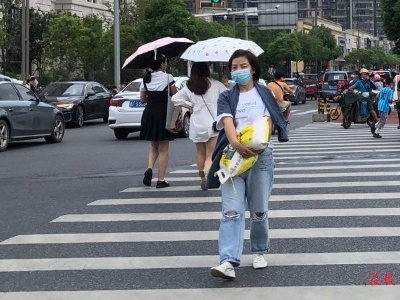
[(219, 49)]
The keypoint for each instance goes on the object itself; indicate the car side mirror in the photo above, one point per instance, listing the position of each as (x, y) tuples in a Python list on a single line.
[(90, 94), (42, 98)]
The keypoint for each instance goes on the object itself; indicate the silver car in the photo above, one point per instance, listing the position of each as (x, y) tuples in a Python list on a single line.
[(24, 116)]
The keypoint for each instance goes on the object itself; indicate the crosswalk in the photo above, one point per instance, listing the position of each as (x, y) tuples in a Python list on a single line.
[(335, 233)]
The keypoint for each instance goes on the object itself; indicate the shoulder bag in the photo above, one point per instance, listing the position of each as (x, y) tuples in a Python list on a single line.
[(174, 120)]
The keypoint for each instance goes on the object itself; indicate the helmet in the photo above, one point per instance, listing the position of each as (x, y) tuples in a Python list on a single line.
[(363, 70), (377, 77)]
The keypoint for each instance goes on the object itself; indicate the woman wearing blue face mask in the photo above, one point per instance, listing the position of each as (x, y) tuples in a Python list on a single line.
[(238, 108)]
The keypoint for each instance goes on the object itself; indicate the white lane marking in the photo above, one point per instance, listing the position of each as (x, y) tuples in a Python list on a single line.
[(274, 198), (348, 292), (127, 237), (216, 215), (204, 261)]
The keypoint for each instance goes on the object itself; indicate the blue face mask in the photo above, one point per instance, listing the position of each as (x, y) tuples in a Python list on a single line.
[(241, 77)]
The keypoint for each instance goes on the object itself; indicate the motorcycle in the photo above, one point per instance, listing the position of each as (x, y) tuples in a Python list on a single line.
[(352, 104)]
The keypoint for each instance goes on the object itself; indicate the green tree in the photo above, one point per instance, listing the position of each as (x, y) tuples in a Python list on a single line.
[(331, 51), (63, 38), (10, 21), (312, 48), (92, 51), (284, 49), (360, 57), (391, 21), (39, 24), (164, 18)]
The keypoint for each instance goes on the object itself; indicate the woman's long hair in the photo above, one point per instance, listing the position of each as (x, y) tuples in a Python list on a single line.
[(155, 65), (198, 82)]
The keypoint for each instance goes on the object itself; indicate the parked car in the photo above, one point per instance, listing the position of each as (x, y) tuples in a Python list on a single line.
[(297, 86), (5, 78), (311, 83), (329, 83), (24, 116), (79, 101), (125, 112)]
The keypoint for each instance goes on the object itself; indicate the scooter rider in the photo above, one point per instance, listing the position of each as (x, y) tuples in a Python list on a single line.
[(366, 85)]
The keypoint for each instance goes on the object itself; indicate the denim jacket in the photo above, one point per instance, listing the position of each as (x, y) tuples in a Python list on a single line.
[(227, 103)]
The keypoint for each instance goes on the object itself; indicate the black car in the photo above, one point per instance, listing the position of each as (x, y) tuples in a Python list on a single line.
[(79, 100), (24, 116)]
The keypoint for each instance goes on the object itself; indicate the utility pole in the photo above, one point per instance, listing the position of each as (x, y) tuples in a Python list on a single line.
[(25, 62), (246, 22), (117, 58), (233, 18)]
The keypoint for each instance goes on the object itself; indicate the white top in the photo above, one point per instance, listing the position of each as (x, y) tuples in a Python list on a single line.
[(159, 81), (395, 81), (201, 120), (250, 107)]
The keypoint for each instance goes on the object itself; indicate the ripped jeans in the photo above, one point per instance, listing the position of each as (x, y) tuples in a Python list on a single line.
[(253, 187)]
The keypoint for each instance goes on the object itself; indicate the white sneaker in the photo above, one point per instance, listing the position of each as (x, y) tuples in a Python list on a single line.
[(225, 270), (259, 261)]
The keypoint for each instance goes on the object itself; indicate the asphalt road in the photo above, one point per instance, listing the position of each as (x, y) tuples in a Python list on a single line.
[(75, 217)]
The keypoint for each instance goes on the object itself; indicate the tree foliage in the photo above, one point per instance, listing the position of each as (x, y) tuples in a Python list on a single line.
[(391, 21), (284, 48), (331, 49), (374, 58)]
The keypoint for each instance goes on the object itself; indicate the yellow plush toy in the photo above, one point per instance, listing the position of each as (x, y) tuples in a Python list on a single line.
[(256, 136)]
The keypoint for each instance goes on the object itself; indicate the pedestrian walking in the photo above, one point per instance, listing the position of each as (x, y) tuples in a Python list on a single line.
[(396, 96), (200, 96), (384, 99), (238, 108), (278, 87), (154, 91)]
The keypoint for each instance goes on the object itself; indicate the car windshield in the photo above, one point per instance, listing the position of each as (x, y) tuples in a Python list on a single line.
[(132, 87), (335, 76), (63, 89)]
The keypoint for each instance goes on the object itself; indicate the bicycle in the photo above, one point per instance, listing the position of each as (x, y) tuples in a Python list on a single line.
[(335, 113)]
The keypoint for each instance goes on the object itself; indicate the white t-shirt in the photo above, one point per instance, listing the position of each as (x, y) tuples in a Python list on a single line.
[(250, 107), (159, 81), (203, 114)]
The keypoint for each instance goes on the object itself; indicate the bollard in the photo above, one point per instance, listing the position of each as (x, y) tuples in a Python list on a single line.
[(328, 110), (321, 106), (319, 117)]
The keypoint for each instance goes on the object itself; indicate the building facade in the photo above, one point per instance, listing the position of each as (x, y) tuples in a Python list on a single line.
[(77, 7), (362, 15)]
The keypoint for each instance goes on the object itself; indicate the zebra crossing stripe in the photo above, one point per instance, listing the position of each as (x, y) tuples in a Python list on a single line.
[(203, 261), (307, 175), (274, 198), (345, 292), (286, 186), (122, 237), (216, 215)]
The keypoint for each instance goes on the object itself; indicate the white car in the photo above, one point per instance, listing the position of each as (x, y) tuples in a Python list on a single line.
[(125, 112)]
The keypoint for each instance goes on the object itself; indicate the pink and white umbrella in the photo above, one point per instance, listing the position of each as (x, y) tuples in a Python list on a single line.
[(219, 49), (144, 55)]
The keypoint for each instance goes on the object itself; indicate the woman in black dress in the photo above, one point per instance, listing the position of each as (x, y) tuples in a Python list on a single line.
[(154, 92)]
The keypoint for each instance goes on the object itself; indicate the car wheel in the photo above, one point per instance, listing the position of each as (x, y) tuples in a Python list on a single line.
[(186, 126), (105, 119), (79, 117), (58, 131), (4, 135), (121, 134)]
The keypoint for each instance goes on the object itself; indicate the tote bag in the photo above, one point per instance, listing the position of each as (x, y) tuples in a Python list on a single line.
[(174, 121)]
